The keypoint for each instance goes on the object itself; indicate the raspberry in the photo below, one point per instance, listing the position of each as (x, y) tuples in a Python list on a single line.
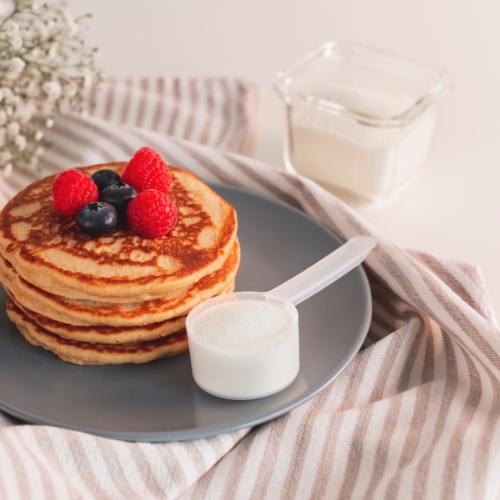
[(151, 214), (147, 170), (71, 191)]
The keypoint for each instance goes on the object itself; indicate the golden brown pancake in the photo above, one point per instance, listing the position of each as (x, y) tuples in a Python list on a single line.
[(88, 313), (49, 251), (83, 353), (101, 334)]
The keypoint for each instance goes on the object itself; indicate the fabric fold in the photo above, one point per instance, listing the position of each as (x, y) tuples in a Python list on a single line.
[(415, 415)]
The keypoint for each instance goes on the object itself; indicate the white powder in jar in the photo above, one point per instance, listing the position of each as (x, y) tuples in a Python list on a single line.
[(242, 322), (370, 161)]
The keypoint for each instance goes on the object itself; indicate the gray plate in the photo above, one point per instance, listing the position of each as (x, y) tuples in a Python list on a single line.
[(159, 401)]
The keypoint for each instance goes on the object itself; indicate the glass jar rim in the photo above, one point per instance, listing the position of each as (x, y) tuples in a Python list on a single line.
[(284, 79)]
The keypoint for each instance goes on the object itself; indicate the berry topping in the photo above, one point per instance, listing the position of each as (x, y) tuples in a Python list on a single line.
[(71, 190), (97, 219), (104, 178), (119, 195), (147, 170), (151, 214)]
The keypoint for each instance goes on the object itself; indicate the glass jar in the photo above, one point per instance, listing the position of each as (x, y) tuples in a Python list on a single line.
[(359, 118)]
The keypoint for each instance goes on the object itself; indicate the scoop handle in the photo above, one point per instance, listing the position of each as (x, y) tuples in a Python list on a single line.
[(326, 271)]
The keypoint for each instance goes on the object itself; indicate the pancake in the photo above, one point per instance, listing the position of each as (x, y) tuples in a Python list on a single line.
[(88, 313), (100, 334), (121, 298), (49, 251), (106, 334), (83, 353)]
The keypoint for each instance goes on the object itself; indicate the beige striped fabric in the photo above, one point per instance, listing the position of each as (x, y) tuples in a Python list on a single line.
[(218, 112), (415, 415)]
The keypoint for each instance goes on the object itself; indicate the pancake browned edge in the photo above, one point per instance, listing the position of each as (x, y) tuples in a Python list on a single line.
[(89, 313), (102, 334), (84, 353), (49, 251)]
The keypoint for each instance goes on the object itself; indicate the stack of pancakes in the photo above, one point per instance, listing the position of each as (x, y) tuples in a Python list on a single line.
[(120, 298)]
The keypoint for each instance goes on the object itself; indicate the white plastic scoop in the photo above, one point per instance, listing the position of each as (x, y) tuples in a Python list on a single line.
[(245, 345)]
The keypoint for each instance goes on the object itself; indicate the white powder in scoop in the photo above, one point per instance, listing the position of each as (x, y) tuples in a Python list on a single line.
[(242, 322)]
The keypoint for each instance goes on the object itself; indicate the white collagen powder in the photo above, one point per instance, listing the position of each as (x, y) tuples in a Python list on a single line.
[(242, 322), (243, 349), (370, 161)]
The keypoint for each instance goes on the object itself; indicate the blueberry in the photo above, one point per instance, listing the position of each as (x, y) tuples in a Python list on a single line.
[(119, 195), (104, 178), (97, 219)]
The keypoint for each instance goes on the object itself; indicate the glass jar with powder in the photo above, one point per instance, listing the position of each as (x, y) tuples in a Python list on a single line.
[(358, 118)]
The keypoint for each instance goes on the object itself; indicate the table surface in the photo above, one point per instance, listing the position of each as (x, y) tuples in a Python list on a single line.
[(452, 206)]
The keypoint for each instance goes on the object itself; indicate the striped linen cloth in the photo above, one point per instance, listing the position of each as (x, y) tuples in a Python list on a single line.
[(415, 415), (218, 112)]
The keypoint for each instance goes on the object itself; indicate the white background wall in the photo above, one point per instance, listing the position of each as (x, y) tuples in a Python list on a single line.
[(453, 206)]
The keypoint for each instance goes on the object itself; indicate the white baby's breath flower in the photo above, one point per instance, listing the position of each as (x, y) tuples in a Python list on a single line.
[(84, 113), (22, 114), (7, 170), (28, 33), (13, 128), (20, 142), (52, 89), (16, 42), (16, 64), (71, 29), (7, 94), (12, 28), (52, 54), (45, 62), (32, 89), (43, 32), (36, 53)]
